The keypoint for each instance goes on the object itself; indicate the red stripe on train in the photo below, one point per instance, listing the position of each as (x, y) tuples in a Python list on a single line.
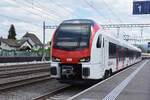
[(96, 28)]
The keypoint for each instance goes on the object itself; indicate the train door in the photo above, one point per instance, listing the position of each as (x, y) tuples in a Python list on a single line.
[(103, 52), (117, 58), (99, 53)]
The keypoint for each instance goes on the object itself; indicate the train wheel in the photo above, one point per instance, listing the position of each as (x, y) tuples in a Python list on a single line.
[(106, 75)]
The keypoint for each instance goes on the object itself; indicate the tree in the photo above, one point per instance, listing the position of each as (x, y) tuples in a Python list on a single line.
[(12, 32), (142, 48), (49, 42)]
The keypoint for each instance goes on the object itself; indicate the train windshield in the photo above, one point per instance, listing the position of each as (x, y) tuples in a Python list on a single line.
[(72, 37)]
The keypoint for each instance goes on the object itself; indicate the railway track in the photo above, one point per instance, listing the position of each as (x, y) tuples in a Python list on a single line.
[(19, 83), (62, 93), (15, 76), (52, 93), (6, 74), (21, 67)]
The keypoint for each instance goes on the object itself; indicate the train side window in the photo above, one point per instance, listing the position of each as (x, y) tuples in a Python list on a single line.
[(103, 42), (112, 50), (125, 52), (119, 52), (99, 41)]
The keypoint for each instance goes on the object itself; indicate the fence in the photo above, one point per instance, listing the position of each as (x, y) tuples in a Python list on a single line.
[(20, 54)]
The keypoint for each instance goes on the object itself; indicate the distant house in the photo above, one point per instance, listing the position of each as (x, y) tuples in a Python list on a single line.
[(33, 40), (11, 44), (28, 42)]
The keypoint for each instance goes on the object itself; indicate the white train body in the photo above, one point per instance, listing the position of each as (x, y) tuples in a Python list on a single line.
[(104, 53)]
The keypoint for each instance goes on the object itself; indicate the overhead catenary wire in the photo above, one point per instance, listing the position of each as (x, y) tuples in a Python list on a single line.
[(113, 13), (95, 9), (44, 13), (27, 10), (98, 12), (58, 5), (20, 20), (61, 6), (40, 6), (75, 15)]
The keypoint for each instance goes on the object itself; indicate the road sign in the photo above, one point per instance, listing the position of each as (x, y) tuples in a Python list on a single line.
[(141, 7)]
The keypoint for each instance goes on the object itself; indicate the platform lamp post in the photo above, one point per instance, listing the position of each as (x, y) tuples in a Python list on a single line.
[(43, 56)]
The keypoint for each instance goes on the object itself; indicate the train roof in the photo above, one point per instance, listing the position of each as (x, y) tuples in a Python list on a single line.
[(119, 40), (80, 21)]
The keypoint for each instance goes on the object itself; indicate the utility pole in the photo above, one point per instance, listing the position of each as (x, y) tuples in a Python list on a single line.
[(44, 28), (43, 57)]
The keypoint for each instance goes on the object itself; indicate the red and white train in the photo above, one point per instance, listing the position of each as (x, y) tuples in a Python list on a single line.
[(82, 50)]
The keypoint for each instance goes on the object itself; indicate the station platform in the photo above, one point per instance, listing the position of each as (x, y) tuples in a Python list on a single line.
[(132, 83)]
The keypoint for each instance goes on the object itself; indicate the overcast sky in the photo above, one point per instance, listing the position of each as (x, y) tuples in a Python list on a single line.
[(28, 15)]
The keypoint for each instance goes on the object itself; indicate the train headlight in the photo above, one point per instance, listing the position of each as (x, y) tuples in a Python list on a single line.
[(85, 59), (55, 59)]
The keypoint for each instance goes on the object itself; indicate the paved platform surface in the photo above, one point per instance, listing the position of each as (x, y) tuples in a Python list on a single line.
[(132, 83)]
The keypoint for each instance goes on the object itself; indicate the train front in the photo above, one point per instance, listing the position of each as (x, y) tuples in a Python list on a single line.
[(71, 51)]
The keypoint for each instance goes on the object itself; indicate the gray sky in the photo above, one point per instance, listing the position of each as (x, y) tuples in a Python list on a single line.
[(28, 15)]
